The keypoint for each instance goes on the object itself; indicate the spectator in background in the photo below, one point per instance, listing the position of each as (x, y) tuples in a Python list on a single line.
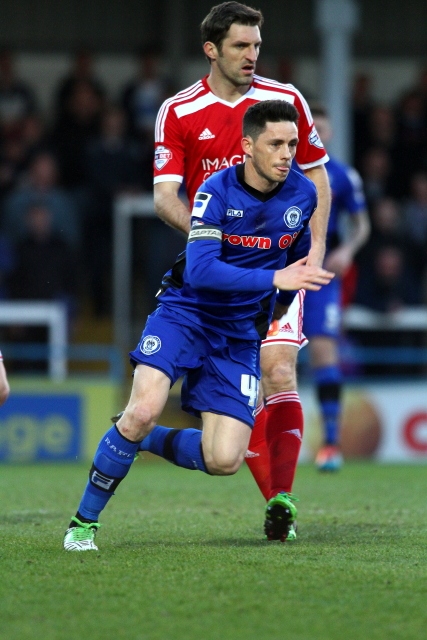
[(17, 99), (4, 384), (81, 70), (41, 188), (388, 229), (46, 264), (382, 127), (415, 219), (362, 105), (13, 161), (415, 208), (16, 153), (76, 126), (411, 141), (114, 163), (142, 97), (376, 174), (34, 136), (421, 87), (389, 285), (46, 269), (7, 263)]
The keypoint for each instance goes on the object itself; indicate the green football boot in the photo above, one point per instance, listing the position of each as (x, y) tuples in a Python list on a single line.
[(280, 515), (81, 537)]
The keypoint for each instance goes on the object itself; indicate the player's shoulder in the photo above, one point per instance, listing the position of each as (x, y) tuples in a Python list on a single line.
[(184, 96), (301, 183), (268, 84)]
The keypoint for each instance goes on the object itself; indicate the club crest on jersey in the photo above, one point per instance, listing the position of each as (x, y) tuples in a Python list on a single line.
[(314, 139), (150, 345), (235, 213), (201, 201), (162, 155), (293, 217)]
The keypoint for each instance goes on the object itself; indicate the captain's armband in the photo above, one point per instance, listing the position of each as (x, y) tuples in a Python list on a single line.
[(205, 232)]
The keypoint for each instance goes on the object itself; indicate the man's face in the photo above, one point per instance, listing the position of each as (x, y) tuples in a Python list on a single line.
[(237, 56), (272, 152)]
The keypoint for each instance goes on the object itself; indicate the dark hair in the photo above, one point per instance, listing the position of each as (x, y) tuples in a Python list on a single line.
[(257, 116), (215, 26), (318, 110)]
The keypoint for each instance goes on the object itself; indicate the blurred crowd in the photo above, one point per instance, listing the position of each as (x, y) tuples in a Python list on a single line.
[(59, 177)]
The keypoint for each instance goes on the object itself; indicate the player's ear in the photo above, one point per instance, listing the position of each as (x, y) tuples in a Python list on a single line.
[(210, 51), (247, 146)]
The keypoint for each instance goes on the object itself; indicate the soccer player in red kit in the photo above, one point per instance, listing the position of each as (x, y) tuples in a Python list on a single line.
[(197, 133)]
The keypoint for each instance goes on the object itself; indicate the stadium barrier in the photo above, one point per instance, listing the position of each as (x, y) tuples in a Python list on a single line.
[(50, 418), (382, 421)]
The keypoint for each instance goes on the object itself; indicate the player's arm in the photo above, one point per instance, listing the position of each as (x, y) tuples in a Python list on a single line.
[(299, 249), (169, 166), (340, 259), (311, 157), (354, 202), (4, 384), (169, 207), (319, 219), (206, 268)]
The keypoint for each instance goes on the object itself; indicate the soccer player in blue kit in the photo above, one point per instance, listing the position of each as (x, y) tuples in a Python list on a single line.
[(216, 303), (322, 309)]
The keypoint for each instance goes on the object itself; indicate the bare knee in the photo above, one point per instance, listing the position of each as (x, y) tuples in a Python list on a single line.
[(279, 376), (137, 421), (223, 464)]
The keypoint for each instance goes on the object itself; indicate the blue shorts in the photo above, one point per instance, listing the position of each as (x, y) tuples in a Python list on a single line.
[(221, 374), (322, 311)]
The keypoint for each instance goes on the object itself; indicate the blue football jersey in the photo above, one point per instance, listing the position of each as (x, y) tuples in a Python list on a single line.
[(239, 238), (347, 195)]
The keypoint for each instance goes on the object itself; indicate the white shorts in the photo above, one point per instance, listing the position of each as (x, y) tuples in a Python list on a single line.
[(288, 330)]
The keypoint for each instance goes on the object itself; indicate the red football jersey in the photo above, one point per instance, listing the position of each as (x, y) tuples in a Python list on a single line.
[(197, 133)]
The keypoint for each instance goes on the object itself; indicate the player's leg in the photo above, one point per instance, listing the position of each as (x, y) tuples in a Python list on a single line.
[(322, 320), (115, 454), (283, 412), (257, 456), (328, 380), (225, 442), (223, 392), (283, 418)]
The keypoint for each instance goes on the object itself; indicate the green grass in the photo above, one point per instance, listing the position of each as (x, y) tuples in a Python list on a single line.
[(182, 557)]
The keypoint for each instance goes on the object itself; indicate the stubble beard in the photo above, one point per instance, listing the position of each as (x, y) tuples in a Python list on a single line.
[(235, 79)]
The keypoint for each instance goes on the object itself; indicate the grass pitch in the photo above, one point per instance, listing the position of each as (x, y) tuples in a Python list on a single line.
[(182, 557)]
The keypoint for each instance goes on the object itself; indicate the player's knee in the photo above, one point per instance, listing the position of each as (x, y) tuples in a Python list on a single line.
[(279, 376), (223, 465), (137, 421)]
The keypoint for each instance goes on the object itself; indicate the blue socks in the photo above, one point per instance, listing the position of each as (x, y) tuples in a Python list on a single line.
[(115, 455), (328, 382), (182, 447), (112, 461)]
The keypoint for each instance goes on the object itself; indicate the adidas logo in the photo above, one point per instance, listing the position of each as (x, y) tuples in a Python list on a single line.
[(287, 328), (251, 454), (206, 135)]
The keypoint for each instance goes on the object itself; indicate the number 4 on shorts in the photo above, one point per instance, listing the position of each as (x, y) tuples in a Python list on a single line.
[(249, 388)]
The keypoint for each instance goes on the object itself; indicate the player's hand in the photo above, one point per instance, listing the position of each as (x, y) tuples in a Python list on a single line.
[(279, 310), (300, 275)]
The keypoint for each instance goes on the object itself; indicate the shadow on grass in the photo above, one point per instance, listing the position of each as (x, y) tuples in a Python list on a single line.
[(29, 517), (217, 542)]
